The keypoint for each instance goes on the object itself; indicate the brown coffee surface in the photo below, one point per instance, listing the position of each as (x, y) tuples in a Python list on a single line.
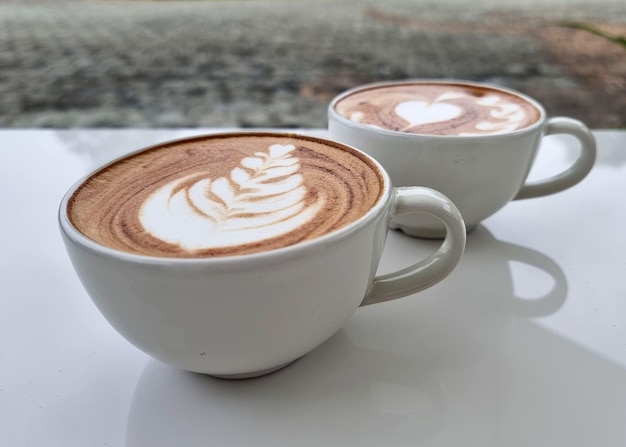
[(225, 195), (438, 109)]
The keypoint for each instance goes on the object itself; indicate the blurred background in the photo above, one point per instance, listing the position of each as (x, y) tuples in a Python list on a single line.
[(259, 63)]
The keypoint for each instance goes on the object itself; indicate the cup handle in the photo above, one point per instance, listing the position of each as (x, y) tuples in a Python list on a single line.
[(435, 267), (574, 173)]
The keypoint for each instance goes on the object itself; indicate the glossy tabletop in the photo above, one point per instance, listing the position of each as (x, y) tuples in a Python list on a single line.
[(524, 344)]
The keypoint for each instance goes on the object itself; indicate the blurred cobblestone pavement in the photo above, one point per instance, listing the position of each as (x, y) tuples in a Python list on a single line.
[(278, 63)]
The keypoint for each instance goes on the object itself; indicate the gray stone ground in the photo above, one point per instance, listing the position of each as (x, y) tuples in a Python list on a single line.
[(278, 63)]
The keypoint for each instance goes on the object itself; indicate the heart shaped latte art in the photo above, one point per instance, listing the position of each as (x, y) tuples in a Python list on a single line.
[(418, 113)]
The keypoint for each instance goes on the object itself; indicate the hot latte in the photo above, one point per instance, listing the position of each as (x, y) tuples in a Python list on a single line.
[(225, 195), (438, 109)]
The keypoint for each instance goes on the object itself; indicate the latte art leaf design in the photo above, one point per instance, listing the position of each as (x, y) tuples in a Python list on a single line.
[(262, 198)]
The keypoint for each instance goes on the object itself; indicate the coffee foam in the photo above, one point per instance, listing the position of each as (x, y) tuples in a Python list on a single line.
[(438, 109), (226, 195), (261, 199)]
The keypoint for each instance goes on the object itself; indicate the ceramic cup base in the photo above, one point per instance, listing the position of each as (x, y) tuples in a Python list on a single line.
[(253, 374)]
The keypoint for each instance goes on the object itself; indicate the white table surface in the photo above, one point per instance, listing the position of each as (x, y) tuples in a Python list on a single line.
[(523, 345)]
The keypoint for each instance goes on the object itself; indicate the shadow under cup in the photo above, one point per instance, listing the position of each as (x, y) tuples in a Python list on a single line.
[(480, 173)]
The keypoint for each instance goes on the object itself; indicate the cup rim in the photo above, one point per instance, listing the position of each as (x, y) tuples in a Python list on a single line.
[(332, 113), (74, 235)]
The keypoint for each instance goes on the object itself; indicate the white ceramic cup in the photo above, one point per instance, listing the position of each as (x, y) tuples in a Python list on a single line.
[(480, 174), (247, 315)]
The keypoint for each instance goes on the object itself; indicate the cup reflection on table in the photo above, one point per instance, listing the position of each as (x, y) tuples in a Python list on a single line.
[(397, 374)]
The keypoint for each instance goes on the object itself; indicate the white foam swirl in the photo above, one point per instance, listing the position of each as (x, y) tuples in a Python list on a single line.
[(422, 112), (263, 198), (507, 116)]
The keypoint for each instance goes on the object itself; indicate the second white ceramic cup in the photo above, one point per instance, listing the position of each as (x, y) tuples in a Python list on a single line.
[(480, 174)]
